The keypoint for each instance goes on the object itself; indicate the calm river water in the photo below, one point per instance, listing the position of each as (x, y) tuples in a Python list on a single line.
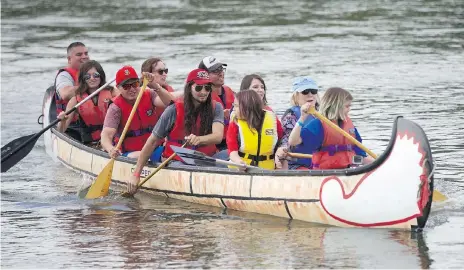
[(397, 57)]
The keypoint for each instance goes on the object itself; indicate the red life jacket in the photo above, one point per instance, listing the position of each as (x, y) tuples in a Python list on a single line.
[(142, 123), (168, 87), (159, 111), (336, 151), (92, 116), (177, 136), (61, 103), (229, 97)]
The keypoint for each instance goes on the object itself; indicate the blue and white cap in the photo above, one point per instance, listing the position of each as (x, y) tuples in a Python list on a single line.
[(302, 83)]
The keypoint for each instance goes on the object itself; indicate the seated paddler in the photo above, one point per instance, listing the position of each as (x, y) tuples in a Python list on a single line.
[(144, 119), (196, 120), (254, 133), (91, 114), (305, 91), (331, 150)]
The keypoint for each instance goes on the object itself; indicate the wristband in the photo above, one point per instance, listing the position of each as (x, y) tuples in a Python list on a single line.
[(300, 123), (136, 174)]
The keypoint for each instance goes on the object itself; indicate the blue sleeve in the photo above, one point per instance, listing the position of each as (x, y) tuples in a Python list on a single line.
[(312, 135), (358, 150)]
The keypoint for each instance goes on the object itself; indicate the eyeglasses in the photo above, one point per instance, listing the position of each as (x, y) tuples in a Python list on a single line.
[(218, 70), (207, 87), (307, 91), (87, 76), (128, 86), (161, 71)]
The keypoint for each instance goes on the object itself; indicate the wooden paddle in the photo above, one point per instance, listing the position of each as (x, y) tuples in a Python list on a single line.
[(437, 196), (101, 185), (162, 165), (299, 155), (195, 158), (16, 150)]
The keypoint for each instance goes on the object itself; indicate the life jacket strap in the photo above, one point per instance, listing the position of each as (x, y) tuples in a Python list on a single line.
[(138, 132), (254, 158), (334, 148)]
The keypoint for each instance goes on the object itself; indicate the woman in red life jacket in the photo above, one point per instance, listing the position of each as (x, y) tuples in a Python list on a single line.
[(144, 119), (196, 120), (254, 132), (92, 113), (331, 150)]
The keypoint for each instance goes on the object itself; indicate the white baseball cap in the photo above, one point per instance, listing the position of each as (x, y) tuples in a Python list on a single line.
[(211, 63)]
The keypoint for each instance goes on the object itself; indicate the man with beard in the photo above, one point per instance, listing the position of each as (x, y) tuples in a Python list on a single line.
[(221, 92), (196, 120)]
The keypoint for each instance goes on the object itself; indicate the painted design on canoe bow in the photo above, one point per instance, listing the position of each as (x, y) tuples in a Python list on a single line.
[(371, 201)]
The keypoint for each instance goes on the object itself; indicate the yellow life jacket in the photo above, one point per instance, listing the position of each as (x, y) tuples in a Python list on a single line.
[(267, 139)]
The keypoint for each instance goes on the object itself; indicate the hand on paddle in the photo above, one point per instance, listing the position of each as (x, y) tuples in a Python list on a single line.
[(305, 110), (193, 140), (62, 116), (133, 184), (280, 156), (114, 152), (151, 83)]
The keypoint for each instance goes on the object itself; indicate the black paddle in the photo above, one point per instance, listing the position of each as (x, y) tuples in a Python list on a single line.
[(16, 150), (195, 158)]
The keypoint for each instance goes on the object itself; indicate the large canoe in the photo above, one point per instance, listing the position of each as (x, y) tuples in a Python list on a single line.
[(393, 192)]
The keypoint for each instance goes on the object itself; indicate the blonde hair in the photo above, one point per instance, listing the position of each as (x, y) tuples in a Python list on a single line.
[(294, 99), (333, 103)]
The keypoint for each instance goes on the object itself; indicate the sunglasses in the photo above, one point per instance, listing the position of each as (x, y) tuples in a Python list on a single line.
[(207, 87), (161, 71), (128, 86), (87, 76), (218, 70), (307, 91)]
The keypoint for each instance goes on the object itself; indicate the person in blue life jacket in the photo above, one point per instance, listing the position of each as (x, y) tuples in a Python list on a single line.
[(331, 150), (305, 91)]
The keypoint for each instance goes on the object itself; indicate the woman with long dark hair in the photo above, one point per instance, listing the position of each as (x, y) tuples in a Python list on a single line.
[(92, 113), (254, 133)]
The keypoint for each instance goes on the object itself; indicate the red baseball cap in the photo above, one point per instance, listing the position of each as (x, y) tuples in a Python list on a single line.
[(124, 74), (198, 76)]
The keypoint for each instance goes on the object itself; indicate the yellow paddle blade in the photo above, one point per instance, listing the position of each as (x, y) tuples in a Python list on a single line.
[(101, 185), (438, 196)]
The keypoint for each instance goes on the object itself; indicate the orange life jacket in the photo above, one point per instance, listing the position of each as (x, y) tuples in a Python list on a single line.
[(229, 97), (92, 116), (142, 123), (177, 136), (336, 151), (60, 102)]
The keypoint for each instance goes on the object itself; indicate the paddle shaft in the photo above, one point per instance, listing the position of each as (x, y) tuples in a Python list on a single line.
[(344, 133), (37, 135), (162, 165), (102, 183), (134, 110), (437, 196), (299, 155)]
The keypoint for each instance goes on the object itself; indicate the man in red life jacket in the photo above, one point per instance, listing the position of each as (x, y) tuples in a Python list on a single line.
[(196, 120), (66, 82), (221, 92), (144, 119)]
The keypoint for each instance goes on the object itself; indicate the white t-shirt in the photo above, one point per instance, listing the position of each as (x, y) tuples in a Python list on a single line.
[(62, 80)]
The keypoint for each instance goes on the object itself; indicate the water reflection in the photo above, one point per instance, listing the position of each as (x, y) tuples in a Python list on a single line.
[(200, 238)]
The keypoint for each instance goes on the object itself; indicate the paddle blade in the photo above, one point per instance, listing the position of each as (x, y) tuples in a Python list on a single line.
[(101, 185), (192, 157), (438, 196), (16, 150)]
